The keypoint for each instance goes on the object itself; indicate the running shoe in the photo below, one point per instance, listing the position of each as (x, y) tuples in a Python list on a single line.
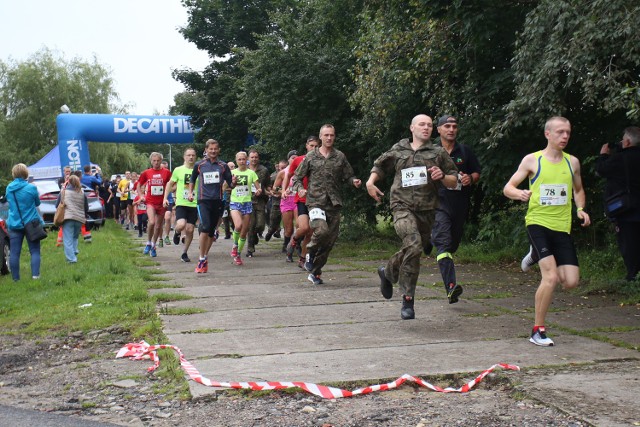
[(315, 279), (308, 264), (290, 247), (527, 261), (277, 235), (237, 260), (176, 238), (185, 257), (234, 252), (167, 241), (289, 258), (205, 266), (201, 265), (153, 253), (453, 292), (160, 242), (540, 338), (249, 254), (146, 249), (267, 237), (386, 287), (216, 235), (87, 238)]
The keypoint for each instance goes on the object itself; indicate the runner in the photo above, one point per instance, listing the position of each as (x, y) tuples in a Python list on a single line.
[(302, 236), (419, 169), (327, 168), (211, 174), (554, 180), (287, 201), (141, 212), (241, 205), (123, 189), (258, 216), (151, 185), (186, 211), (273, 212)]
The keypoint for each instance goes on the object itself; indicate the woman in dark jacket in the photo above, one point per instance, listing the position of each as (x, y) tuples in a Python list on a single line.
[(76, 209), (23, 202)]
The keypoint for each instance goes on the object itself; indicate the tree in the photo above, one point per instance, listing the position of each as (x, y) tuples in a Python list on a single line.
[(31, 94), (298, 77), (222, 28)]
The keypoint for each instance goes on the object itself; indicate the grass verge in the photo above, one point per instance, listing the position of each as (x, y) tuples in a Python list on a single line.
[(106, 287)]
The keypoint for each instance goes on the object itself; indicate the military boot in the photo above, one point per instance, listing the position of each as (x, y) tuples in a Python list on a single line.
[(407, 308)]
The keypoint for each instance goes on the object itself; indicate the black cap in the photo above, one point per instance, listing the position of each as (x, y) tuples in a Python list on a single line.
[(446, 119)]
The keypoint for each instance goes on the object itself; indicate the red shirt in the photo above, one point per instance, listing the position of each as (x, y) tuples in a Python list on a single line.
[(141, 208), (305, 181), (157, 181)]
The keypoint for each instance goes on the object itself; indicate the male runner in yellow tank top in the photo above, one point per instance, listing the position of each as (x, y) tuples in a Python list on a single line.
[(554, 177)]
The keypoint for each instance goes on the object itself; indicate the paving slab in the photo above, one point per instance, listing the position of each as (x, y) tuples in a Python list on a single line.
[(382, 362), (264, 322)]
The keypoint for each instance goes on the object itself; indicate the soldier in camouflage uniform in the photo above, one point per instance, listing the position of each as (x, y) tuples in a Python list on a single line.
[(258, 217), (419, 169), (274, 214), (327, 168)]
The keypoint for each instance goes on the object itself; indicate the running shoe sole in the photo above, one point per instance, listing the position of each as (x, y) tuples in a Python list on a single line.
[(454, 294), (386, 287)]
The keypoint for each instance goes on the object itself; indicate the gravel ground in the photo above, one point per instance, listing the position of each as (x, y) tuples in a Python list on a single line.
[(80, 377)]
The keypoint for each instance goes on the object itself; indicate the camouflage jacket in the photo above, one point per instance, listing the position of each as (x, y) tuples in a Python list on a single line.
[(326, 175), (412, 188), (263, 179)]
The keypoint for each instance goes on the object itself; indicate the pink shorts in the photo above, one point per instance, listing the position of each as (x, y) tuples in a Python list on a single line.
[(287, 204)]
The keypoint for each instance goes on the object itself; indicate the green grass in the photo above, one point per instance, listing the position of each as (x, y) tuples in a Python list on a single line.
[(110, 277), (105, 276)]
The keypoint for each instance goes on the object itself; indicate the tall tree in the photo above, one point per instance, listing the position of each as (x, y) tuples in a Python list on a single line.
[(222, 28), (31, 94)]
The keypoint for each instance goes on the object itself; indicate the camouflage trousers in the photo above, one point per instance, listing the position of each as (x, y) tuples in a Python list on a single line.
[(275, 216), (325, 234), (256, 225), (413, 228)]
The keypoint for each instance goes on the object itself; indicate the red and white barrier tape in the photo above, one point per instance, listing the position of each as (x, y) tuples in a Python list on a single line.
[(142, 350)]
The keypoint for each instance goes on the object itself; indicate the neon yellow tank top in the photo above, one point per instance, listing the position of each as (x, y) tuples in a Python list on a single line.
[(551, 194)]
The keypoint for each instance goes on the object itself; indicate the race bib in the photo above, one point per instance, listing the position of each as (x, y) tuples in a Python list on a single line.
[(185, 194), (211, 177), (317, 213), (553, 194), (414, 176), (157, 190), (242, 190), (253, 189), (142, 206)]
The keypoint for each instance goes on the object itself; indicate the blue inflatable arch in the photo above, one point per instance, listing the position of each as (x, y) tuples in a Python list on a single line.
[(75, 130)]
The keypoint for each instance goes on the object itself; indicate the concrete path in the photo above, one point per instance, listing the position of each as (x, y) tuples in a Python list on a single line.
[(265, 322)]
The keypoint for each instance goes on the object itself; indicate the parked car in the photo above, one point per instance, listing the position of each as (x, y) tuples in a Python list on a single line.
[(48, 191), (4, 245)]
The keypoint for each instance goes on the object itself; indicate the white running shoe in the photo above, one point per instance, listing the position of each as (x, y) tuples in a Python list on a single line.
[(527, 262), (540, 338)]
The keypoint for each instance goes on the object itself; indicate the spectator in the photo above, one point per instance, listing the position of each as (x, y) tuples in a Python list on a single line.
[(618, 169), (23, 202), (75, 216)]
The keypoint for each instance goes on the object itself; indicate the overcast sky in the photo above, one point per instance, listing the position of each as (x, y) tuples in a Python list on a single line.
[(137, 39)]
